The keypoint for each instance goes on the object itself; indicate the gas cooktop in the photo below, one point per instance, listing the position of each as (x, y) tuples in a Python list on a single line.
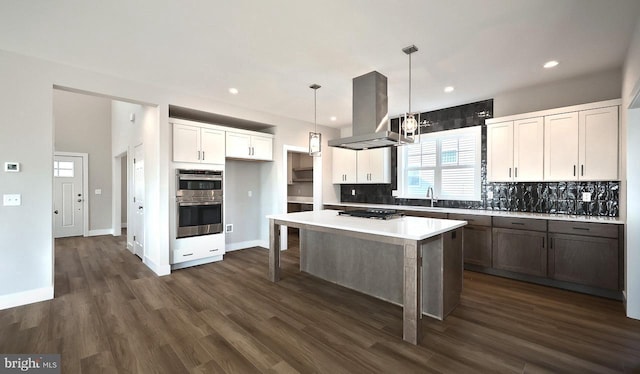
[(372, 213)]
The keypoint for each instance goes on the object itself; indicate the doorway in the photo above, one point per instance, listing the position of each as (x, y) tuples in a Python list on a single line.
[(302, 185), (69, 194)]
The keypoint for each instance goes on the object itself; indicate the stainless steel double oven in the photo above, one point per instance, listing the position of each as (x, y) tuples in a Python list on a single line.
[(199, 202)]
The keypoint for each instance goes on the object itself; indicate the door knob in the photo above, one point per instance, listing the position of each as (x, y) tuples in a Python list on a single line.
[(55, 211)]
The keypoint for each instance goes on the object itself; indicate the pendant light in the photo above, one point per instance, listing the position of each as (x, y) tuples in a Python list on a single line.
[(315, 138), (410, 124)]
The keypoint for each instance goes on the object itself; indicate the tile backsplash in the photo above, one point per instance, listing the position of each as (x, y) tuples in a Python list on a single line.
[(541, 197)]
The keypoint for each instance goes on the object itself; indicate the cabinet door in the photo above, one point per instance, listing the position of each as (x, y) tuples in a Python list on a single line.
[(238, 145), (598, 134), (500, 152), (374, 166), (590, 261), (344, 166), (561, 147), (520, 251), (477, 245), (262, 148), (528, 150), (212, 146), (186, 143)]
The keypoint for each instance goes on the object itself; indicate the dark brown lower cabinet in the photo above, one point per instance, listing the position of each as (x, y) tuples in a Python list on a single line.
[(592, 261), (520, 251), (477, 245)]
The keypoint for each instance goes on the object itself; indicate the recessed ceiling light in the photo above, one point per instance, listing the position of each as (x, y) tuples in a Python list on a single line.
[(448, 89), (233, 91), (550, 64), (333, 118)]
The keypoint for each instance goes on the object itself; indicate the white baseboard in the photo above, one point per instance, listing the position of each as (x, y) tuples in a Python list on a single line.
[(123, 225), (243, 245), (130, 247), (26, 297), (201, 261), (100, 232), (160, 270)]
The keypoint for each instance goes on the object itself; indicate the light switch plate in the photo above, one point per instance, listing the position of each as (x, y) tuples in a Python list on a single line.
[(12, 167), (353, 192), (98, 191), (11, 200), (586, 197)]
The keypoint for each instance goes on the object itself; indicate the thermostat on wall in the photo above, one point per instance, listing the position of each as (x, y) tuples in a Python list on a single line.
[(12, 166)]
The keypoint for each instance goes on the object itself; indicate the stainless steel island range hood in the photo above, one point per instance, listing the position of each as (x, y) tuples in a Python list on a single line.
[(371, 125)]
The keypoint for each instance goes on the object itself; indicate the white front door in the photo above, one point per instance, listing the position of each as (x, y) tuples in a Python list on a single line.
[(138, 201), (68, 199)]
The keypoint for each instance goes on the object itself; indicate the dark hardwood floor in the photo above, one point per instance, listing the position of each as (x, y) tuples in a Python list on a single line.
[(111, 314)]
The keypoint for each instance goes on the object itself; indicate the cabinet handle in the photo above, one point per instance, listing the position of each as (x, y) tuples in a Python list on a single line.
[(516, 172), (187, 254), (574, 170), (509, 172), (253, 151), (202, 155), (542, 243), (581, 228), (582, 170), (551, 243), (213, 250), (517, 223), (198, 155), (249, 151)]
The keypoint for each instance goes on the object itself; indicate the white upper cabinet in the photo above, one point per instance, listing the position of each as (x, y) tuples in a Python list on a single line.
[(212, 146), (528, 150), (582, 145), (500, 152), (344, 166), (197, 144), (561, 147), (374, 166), (598, 138), (563, 144), (249, 145), (361, 167), (515, 150)]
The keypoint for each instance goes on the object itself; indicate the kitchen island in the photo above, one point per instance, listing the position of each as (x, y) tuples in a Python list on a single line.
[(426, 253)]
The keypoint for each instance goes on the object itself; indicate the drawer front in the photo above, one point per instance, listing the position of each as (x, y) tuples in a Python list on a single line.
[(520, 223), (182, 255), (584, 228), (472, 219)]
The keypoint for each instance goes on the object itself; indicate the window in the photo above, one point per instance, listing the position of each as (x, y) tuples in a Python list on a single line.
[(63, 169), (447, 161)]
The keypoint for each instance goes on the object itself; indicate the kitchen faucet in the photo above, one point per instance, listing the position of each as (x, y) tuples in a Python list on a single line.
[(430, 196)]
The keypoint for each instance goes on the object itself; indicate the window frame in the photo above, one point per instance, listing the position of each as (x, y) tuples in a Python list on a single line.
[(439, 136)]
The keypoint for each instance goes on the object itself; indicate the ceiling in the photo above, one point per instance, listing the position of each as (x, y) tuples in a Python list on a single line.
[(271, 51)]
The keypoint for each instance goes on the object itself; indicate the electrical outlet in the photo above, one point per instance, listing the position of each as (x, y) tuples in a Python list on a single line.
[(353, 192), (228, 228), (250, 193), (586, 197), (98, 191), (11, 200)]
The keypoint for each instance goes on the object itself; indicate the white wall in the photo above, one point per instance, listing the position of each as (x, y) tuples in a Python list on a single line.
[(604, 85), (26, 136), (83, 124), (240, 209), (630, 121)]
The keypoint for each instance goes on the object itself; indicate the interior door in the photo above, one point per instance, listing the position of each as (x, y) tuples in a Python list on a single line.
[(138, 201), (68, 199)]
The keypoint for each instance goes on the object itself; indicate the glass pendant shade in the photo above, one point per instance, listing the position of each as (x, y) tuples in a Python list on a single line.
[(315, 140), (410, 124)]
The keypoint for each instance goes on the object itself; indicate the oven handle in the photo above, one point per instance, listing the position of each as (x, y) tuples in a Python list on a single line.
[(196, 177), (193, 203)]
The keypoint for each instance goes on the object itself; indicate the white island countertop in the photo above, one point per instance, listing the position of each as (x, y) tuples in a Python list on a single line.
[(407, 227)]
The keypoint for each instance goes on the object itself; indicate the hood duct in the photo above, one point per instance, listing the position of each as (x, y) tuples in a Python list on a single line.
[(371, 125)]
